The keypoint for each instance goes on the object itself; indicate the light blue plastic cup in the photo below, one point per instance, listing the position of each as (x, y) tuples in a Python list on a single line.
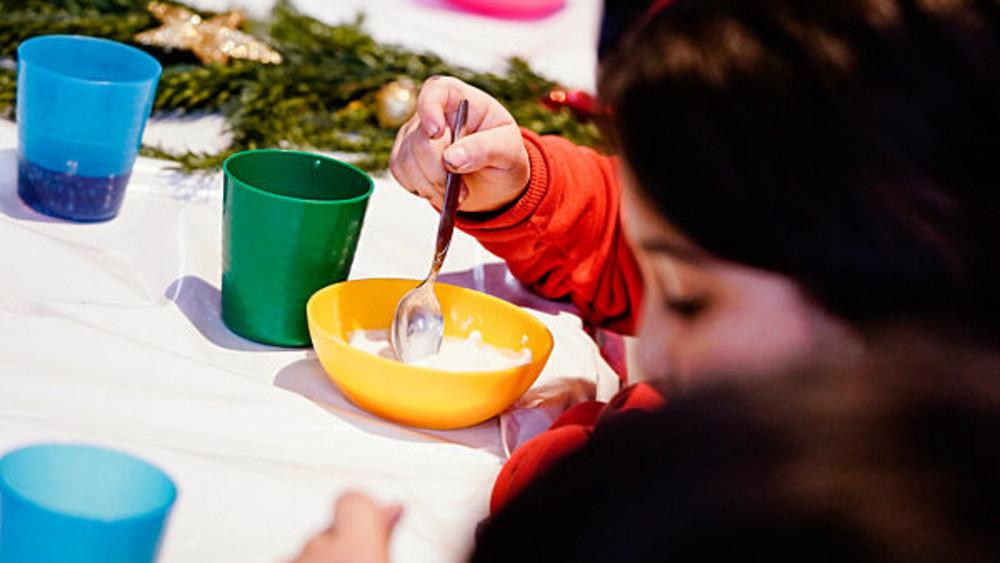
[(82, 104), (73, 503)]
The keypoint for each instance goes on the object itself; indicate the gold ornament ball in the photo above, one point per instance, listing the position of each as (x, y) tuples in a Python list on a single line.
[(396, 102)]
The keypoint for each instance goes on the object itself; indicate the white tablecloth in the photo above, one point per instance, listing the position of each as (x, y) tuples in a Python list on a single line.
[(111, 335)]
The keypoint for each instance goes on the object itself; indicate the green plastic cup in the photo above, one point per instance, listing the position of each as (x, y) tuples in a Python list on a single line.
[(290, 226)]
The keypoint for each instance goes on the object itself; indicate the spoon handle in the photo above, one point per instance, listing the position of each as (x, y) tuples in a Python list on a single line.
[(449, 210)]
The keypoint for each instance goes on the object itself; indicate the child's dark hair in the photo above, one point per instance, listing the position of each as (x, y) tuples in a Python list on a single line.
[(893, 461), (853, 145)]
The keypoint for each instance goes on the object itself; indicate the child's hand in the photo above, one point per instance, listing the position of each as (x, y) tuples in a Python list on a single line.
[(359, 533), (490, 155)]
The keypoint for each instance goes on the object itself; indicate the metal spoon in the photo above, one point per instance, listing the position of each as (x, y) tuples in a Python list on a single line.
[(418, 327)]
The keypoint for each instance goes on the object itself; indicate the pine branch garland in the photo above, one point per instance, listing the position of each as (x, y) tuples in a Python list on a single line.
[(322, 97), (112, 19)]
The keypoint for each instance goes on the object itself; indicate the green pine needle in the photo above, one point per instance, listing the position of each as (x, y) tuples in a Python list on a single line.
[(322, 97)]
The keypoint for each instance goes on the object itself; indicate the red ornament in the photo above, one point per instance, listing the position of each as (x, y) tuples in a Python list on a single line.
[(584, 105)]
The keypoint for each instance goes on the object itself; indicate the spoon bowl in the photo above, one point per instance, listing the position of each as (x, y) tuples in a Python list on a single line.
[(420, 320), (418, 326)]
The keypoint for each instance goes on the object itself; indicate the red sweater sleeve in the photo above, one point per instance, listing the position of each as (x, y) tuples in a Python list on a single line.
[(563, 237), (568, 433)]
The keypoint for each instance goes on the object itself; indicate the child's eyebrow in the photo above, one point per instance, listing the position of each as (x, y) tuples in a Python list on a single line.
[(680, 252)]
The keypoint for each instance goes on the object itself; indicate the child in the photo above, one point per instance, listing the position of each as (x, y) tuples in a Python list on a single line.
[(797, 172), (894, 460)]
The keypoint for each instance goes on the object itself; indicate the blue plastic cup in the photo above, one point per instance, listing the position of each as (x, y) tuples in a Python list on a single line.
[(72, 503), (82, 104)]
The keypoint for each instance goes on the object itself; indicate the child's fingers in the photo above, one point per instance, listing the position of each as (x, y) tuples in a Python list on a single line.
[(427, 154), (357, 514), (393, 514), (500, 148), (401, 153), (438, 96), (438, 101), (401, 164), (360, 532), (415, 162), (402, 175), (411, 177)]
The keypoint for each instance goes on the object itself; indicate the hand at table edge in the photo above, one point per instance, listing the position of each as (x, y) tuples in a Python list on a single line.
[(360, 533)]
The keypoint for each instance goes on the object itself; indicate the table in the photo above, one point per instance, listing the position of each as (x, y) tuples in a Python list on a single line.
[(112, 336)]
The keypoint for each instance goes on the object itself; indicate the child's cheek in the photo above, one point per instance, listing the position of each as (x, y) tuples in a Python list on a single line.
[(652, 360)]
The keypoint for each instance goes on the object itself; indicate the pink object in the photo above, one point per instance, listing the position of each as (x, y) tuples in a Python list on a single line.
[(511, 8)]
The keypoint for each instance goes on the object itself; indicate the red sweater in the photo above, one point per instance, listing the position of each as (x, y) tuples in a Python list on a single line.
[(563, 237)]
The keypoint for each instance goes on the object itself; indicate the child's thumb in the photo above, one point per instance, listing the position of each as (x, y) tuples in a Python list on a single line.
[(491, 148)]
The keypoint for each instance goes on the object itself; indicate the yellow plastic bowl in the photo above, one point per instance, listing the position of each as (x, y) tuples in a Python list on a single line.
[(418, 396)]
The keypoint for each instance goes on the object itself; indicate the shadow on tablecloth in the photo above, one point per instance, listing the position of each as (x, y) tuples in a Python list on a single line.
[(496, 280), (307, 378), (201, 303)]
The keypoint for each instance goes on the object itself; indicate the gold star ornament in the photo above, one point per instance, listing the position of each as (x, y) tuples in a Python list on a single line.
[(215, 40)]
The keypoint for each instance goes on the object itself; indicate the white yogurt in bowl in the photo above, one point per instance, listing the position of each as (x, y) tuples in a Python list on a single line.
[(456, 354)]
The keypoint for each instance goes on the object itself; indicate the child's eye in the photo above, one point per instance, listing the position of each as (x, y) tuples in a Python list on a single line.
[(686, 308)]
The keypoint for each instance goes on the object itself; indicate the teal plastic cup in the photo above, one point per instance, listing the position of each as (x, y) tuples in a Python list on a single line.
[(290, 226), (81, 504), (82, 105)]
